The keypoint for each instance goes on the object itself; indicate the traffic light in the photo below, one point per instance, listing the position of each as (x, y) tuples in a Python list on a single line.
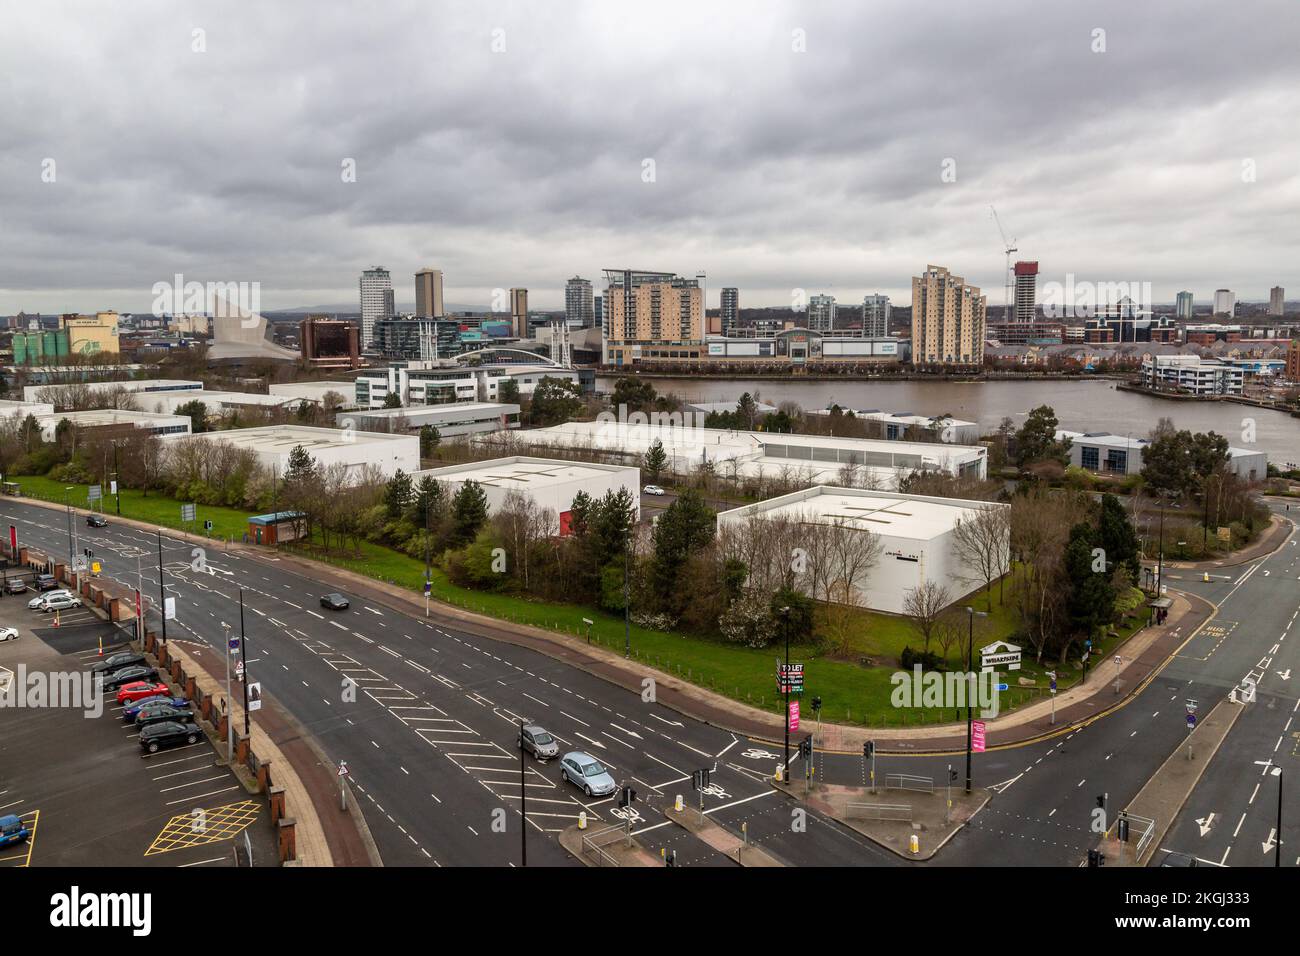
[(869, 749), (817, 704), (1101, 801), (806, 748), (1096, 858), (625, 796)]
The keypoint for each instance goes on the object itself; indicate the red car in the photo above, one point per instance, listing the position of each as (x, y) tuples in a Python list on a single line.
[(140, 690)]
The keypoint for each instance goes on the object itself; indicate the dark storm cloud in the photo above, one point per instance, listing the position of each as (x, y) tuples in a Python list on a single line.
[(775, 169)]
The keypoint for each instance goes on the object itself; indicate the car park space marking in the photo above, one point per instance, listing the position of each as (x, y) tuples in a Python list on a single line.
[(211, 826)]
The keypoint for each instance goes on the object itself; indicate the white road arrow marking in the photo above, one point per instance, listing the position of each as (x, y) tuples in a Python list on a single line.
[(670, 723), (630, 733), (1271, 841), (1285, 675), (1205, 823), (589, 740)]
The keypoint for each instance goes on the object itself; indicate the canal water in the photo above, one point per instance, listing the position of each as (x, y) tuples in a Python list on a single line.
[(1087, 405)]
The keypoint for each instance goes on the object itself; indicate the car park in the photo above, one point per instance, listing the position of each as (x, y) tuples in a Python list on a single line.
[(129, 675), (334, 602), (168, 733), (154, 715), (117, 661), (35, 603), (134, 709), (538, 742), (62, 602), (139, 690), (12, 830), (96, 521), (8, 634), (15, 586), (653, 490), (46, 582), (587, 773)]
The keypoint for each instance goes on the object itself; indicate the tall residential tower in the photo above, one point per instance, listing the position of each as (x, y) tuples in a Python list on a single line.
[(947, 319)]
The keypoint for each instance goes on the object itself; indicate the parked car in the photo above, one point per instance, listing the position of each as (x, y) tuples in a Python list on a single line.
[(538, 742), (117, 661), (8, 634), (129, 675), (15, 585), (587, 773), (1178, 859), (154, 715), (653, 490), (157, 702), (60, 602), (13, 830), (334, 602), (96, 521), (46, 582), (35, 603), (139, 690), (168, 733)]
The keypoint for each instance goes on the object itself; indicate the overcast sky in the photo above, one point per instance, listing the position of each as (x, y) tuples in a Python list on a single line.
[(794, 146)]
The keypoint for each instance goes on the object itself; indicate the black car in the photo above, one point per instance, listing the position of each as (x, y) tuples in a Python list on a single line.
[(115, 663), (153, 715), (15, 586), (334, 602), (168, 733), (129, 675), (149, 704), (96, 521), (46, 582)]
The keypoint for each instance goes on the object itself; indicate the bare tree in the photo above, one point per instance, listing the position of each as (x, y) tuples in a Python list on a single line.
[(924, 605), (982, 543)]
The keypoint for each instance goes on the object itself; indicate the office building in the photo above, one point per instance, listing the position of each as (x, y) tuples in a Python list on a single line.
[(598, 313), (450, 419), (376, 302), (329, 343), (430, 383), (1026, 291), (1225, 302), (875, 316), (1277, 300), (343, 392), (1183, 306), (948, 319), (1121, 455), (730, 308), (579, 303), (651, 311), (428, 294), (155, 423), (821, 313), (519, 312), (1192, 374), (916, 535), (421, 339), (1293, 361)]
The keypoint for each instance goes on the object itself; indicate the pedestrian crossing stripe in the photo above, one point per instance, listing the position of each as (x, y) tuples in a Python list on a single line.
[(202, 826)]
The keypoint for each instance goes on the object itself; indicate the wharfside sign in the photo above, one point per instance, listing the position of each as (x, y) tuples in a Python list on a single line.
[(1000, 654)]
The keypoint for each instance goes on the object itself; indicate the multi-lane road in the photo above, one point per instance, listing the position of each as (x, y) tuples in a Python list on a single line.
[(425, 715)]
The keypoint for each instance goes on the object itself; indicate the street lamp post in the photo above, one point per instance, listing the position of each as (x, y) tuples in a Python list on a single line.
[(785, 683), (162, 593), (1277, 846), (970, 688), (627, 606)]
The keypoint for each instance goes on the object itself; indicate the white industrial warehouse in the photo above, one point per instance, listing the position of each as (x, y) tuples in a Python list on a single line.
[(552, 484), (328, 446), (451, 419), (819, 459), (916, 534), (164, 426), (1108, 454)]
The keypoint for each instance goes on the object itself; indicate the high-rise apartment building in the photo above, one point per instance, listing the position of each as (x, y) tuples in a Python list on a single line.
[(1225, 302), (1183, 305), (1276, 300), (1026, 290), (428, 294), (651, 314), (519, 312), (598, 313), (376, 302), (730, 309), (948, 319), (579, 303), (821, 313), (875, 316)]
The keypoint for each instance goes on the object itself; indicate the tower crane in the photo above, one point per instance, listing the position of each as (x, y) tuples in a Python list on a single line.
[(1008, 247)]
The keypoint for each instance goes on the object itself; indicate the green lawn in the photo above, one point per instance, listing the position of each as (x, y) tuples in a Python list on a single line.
[(850, 692)]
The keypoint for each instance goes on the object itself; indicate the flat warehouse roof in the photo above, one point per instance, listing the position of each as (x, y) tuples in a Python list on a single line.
[(284, 438), (523, 473), (902, 516)]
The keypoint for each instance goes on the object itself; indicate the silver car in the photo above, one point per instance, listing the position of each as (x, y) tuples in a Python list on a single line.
[(587, 773), (60, 603), (538, 742), (35, 603)]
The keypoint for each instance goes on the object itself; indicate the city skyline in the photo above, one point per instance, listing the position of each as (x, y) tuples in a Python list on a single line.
[(766, 163)]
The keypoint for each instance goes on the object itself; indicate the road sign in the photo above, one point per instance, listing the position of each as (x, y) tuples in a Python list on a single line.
[(254, 697), (1053, 685), (233, 643), (343, 768), (794, 716), (94, 493), (791, 674), (977, 736), (207, 526), (169, 609), (1191, 721), (239, 670), (112, 487), (1003, 687), (187, 512)]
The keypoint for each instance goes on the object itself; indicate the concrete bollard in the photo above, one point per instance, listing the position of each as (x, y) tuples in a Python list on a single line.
[(914, 844), (780, 773), (582, 820), (677, 804)]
